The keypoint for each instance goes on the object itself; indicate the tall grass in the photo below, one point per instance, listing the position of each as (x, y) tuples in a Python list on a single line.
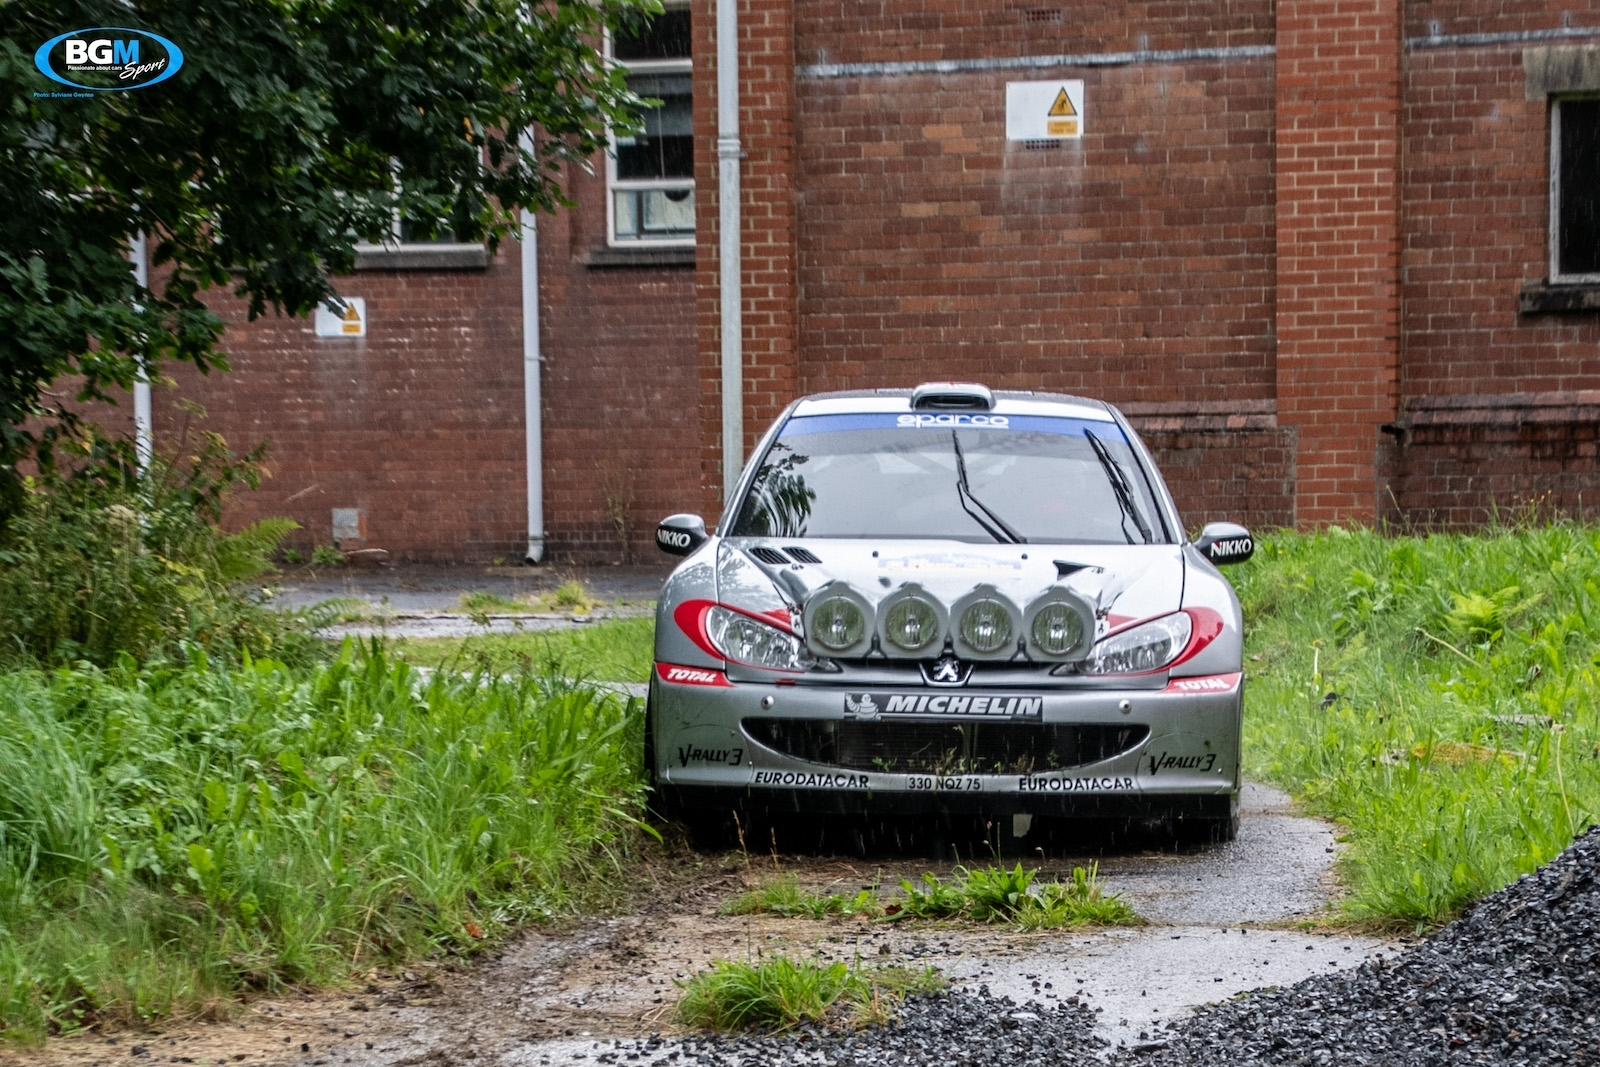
[(172, 835), (101, 558), (1437, 694)]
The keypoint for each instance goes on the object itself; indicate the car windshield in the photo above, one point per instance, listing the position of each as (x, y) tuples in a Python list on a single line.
[(965, 477)]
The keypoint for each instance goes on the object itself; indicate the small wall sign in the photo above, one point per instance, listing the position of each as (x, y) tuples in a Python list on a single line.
[(350, 322), (1043, 111)]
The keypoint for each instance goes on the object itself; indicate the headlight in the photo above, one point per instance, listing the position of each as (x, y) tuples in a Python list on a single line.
[(1147, 647), (911, 625), (739, 637), (986, 625), (837, 623), (1057, 629)]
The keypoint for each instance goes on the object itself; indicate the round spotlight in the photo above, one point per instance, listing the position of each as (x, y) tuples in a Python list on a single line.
[(911, 625), (1057, 629), (986, 625), (837, 623)]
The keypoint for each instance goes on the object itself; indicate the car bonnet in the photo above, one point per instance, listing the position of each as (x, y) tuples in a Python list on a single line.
[(1124, 584)]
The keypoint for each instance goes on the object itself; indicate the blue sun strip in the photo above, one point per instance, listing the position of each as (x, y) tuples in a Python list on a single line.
[(802, 425)]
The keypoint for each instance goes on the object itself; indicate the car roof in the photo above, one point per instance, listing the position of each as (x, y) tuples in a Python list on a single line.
[(1005, 403)]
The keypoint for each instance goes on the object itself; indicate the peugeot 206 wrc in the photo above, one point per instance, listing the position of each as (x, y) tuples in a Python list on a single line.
[(953, 600)]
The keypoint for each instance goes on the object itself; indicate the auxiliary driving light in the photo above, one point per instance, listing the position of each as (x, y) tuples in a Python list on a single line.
[(986, 625), (911, 624), (836, 621)]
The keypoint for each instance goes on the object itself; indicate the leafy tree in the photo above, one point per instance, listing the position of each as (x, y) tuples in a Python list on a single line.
[(294, 129)]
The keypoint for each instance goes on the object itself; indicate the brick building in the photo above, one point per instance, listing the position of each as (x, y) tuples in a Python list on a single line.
[(1338, 259)]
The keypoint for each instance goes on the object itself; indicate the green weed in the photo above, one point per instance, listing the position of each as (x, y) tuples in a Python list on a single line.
[(1437, 694), (173, 835), (988, 894), (327, 556), (779, 993), (570, 596), (615, 650), (785, 897), (1014, 897)]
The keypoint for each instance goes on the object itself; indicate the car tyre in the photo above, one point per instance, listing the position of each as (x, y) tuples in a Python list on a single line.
[(1204, 832)]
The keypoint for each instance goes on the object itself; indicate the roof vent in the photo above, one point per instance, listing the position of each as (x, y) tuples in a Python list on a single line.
[(951, 396)]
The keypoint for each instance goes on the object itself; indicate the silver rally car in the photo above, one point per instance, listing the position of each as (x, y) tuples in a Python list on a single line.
[(950, 600)]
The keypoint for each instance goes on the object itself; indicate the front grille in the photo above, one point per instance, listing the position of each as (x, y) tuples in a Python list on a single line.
[(945, 747)]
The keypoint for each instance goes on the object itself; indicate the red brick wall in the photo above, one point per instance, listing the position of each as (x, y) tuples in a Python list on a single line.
[(1134, 265), (1338, 246), (767, 126), (621, 414), (419, 424), (1476, 212), (1469, 460), (1500, 408), (1223, 462)]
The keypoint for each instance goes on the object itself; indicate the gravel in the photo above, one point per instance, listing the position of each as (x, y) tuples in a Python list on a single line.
[(1516, 980), (946, 1029)]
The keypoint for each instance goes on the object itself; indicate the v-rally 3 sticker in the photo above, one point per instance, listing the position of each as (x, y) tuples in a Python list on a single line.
[(872, 705)]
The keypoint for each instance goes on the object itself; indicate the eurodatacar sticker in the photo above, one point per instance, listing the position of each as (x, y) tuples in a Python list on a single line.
[(1044, 111)]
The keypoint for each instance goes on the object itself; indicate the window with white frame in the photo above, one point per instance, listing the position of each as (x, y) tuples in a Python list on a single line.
[(651, 171), (1575, 189)]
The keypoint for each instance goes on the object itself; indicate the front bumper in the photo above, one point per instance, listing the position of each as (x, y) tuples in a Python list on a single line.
[(1131, 753)]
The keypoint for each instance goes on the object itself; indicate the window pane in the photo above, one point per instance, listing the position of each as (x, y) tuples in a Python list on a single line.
[(666, 147), (1578, 247), (654, 214), (664, 37), (425, 233)]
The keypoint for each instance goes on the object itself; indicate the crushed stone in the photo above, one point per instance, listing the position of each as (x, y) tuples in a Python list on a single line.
[(1515, 980), (938, 1030)]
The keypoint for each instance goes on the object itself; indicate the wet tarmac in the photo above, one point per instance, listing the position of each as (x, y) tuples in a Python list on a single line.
[(1221, 921), (426, 589)]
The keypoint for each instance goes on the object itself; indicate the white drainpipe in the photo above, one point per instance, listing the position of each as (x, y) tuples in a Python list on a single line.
[(532, 409), (143, 424), (729, 281)]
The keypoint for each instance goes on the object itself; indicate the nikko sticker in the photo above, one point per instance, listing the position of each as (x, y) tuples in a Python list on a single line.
[(108, 59)]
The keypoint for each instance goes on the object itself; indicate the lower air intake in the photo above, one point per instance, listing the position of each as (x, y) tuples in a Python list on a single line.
[(945, 748)]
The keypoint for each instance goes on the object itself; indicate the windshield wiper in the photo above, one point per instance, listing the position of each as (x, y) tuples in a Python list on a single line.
[(999, 531), (1119, 488)]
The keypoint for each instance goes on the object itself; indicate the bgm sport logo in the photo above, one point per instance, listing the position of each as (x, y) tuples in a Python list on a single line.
[(108, 59)]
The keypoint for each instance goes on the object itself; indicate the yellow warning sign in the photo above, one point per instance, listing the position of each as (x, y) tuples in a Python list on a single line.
[(1042, 110), (348, 318)]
